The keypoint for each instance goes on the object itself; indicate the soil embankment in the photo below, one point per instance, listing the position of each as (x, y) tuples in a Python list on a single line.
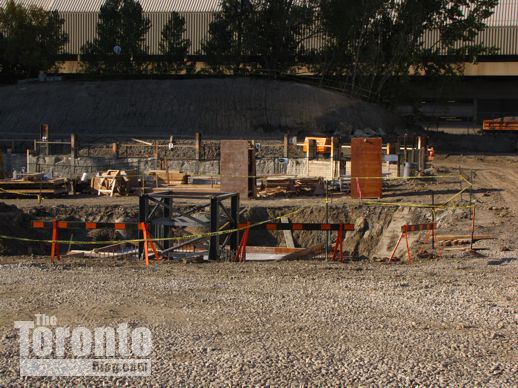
[(229, 107)]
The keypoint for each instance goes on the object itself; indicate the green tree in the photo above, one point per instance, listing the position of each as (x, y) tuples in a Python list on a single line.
[(119, 46), (269, 34), (371, 43), (225, 48), (277, 32), (30, 39), (173, 47)]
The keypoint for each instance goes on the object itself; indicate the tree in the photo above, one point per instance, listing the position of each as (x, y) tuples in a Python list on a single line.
[(119, 46), (270, 33), (173, 47), (372, 42), (224, 48), (30, 39), (277, 31)]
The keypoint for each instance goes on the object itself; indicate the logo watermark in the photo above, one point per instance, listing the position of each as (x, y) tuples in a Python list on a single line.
[(47, 349)]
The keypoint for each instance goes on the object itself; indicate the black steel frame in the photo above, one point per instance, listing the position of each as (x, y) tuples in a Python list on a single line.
[(161, 211)]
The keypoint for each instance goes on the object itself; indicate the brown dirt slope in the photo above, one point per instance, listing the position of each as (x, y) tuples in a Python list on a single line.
[(217, 107)]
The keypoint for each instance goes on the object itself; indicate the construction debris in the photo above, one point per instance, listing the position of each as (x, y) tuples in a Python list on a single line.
[(115, 182), (33, 184), (287, 186), (169, 177)]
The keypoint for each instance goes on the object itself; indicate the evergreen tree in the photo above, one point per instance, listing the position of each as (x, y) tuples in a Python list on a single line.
[(119, 46), (173, 47)]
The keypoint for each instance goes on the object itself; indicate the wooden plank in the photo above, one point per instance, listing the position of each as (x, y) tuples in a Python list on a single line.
[(307, 253), (366, 163), (234, 167), (288, 236)]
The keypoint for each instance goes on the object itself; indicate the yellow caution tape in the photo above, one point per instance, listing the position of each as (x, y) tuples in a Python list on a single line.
[(182, 238)]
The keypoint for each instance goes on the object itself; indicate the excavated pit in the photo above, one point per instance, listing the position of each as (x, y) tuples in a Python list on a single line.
[(376, 228)]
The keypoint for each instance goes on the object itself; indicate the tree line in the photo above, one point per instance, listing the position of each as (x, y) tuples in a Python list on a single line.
[(365, 44)]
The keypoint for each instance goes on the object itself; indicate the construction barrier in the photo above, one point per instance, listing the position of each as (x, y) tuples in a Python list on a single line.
[(338, 252), (64, 225), (405, 229)]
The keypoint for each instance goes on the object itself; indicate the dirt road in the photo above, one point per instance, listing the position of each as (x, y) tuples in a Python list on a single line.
[(498, 173)]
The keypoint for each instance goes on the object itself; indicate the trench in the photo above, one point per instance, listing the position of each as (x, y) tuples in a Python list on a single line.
[(376, 228)]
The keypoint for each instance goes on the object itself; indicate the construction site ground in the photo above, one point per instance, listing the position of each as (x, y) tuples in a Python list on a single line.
[(448, 320)]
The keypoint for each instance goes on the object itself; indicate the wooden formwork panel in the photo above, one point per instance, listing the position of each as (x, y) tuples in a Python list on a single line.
[(236, 166), (366, 164)]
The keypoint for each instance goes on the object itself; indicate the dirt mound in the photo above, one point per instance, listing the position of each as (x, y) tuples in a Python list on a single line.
[(376, 228), (230, 107), (13, 223)]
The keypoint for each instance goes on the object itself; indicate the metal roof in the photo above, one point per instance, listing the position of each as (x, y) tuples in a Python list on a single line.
[(147, 5), (506, 12)]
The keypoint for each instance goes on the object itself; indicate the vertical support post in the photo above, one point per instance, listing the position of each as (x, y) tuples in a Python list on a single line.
[(155, 154), (405, 155), (142, 215), (197, 146), (327, 222), (312, 149), (286, 145), (408, 247), (54, 250), (28, 161), (115, 150), (214, 228), (168, 205), (234, 213), (472, 227), (73, 146), (433, 223), (460, 182), (396, 247), (398, 153), (472, 209)]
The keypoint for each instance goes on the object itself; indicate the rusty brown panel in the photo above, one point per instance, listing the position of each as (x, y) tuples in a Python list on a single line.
[(366, 162), (234, 167)]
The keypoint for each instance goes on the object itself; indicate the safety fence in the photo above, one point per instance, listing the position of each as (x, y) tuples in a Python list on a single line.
[(341, 230)]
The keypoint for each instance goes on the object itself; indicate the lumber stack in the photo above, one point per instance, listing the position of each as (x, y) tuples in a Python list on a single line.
[(33, 184), (271, 187), (169, 177), (114, 182)]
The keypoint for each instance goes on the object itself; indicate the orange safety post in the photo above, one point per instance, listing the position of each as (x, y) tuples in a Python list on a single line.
[(241, 250), (55, 251), (395, 248), (148, 242), (339, 244), (405, 234), (408, 247)]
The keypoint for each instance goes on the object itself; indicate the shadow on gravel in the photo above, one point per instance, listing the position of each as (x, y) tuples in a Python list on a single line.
[(506, 260)]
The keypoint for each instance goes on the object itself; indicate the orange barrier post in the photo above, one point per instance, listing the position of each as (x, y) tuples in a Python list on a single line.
[(408, 247), (338, 249), (404, 233), (148, 242), (55, 251), (396, 247), (241, 250)]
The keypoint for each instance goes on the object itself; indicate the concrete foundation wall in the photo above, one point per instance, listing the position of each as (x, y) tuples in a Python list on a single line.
[(65, 166)]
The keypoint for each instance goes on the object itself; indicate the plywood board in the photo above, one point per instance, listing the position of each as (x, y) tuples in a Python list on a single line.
[(234, 167), (366, 165)]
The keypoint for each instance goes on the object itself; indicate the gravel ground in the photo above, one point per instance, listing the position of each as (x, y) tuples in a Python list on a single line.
[(437, 322)]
